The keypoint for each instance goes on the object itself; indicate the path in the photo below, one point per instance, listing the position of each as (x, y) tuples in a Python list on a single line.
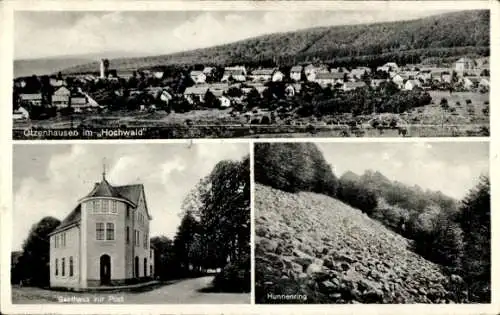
[(177, 292)]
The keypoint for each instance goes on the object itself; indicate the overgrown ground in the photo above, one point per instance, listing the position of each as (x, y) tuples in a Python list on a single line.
[(312, 245)]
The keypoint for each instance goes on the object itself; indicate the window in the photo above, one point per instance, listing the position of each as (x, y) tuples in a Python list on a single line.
[(145, 241), (71, 266), (145, 267), (128, 211), (110, 231), (55, 240), (105, 206), (150, 253), (95, 208), (113, 206), (128, 234), (57, 267), (89, 206), (136, 238), (63, 237), (99, 231), (151, 270), (63, 266)]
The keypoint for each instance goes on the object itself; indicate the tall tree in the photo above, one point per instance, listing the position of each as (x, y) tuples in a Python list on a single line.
[(475, 221), (34, 262)]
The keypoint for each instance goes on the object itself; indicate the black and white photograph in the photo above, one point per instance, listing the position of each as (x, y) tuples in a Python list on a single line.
[(383, 71), (374, 223), (131, 224)]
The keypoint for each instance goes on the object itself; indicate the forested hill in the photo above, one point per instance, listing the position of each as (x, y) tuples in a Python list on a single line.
[(450, 34)]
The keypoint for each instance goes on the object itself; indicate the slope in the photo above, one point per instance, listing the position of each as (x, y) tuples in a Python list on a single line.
[(443, 35), (314, 245)]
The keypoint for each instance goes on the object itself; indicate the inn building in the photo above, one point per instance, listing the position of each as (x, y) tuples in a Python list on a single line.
[(104, 241)]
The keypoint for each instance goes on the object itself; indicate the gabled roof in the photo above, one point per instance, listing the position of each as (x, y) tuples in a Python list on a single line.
[(329, 76), (355, 84), (263, 72), (74, 217), (196, 73), (296, 69), (197, 90)]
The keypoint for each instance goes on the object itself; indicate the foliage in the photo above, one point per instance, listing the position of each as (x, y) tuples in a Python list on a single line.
[(357, 195), (293, 167), (451, 34), (234, 277), (36, 252), (475, 221)]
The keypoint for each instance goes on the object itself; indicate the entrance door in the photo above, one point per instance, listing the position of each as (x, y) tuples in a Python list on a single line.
[(105, 270), (136, 267)]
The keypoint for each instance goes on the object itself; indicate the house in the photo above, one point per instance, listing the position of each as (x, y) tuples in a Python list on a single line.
[(32, 98), (359, 72), (198, 76), (412, 84), (484, 84), (464, 64), (104, 240), (20, 114), (224, 101), (195, 94), (208, 71), (296, 73), (61, 97), (329, 78), (278, 76), (158, 74), (165, 96), (311, 71), (292, 89), (399, 80), (388, 67), (56, 82), (446, 77), (376, 83), (78, 102), (238, 74), (424, 75), (262, 75), (349, 86)]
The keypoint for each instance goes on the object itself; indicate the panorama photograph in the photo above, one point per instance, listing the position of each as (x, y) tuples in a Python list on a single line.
[(372, 223), (386, 72), (131, 224)]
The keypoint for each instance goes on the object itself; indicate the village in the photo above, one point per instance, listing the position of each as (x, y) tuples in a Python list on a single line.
[(240, 94)]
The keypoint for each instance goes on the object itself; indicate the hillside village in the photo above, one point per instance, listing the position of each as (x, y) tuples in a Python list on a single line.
[(239, 87)]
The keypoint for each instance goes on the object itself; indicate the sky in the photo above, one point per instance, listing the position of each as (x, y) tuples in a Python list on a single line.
[(450, 167), (49, 179), (55, 33)]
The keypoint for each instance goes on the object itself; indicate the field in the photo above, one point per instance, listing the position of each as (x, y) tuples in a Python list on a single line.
[(465, 116)]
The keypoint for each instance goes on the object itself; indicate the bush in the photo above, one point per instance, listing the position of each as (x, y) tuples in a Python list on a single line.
[(235, 277), (293, 167)]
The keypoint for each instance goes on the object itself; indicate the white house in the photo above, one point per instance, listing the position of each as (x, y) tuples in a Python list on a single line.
[(398, 80), (412, 84), (224, 101), (262, 75), (104, 240), (296, 73), (238, 74), (464, 64), (198, 77), (278, 76), (326, 78), (20, 114), (350, 86)]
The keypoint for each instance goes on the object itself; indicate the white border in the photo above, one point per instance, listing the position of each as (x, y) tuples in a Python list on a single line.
[(7, 7)]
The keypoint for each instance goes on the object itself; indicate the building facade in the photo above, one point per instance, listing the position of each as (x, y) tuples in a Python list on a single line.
[(104, 241)]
